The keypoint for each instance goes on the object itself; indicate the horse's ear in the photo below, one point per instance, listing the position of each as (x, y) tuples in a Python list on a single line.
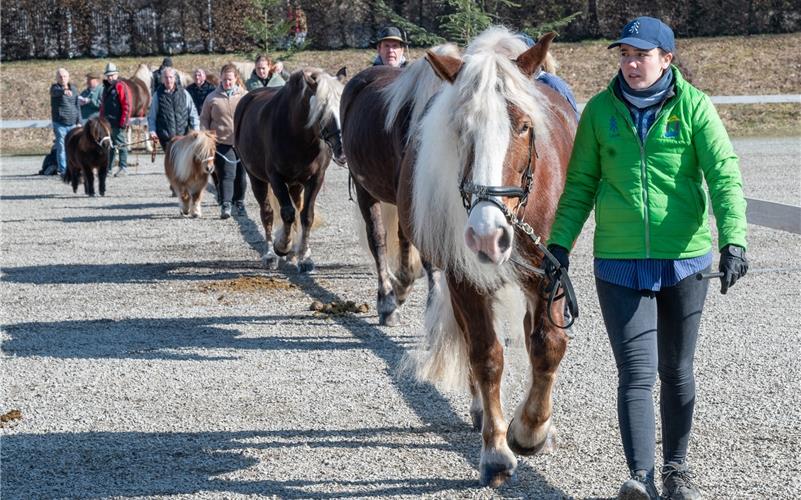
[(531, 60), (310, 79), (342, 74), (445, 67)]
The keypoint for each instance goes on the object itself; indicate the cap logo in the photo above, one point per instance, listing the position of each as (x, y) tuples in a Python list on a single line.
[(634, 29)]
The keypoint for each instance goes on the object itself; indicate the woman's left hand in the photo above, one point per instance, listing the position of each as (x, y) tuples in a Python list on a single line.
[(733, 265)]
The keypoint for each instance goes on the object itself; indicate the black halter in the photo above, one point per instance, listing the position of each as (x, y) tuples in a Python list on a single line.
[(488, 193)]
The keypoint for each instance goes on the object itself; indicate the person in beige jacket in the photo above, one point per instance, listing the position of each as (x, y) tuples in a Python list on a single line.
[(218, 115)]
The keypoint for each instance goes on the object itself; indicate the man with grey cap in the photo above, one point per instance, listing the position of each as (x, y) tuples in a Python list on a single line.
[(116, 108), (643, 150), (391, 44)]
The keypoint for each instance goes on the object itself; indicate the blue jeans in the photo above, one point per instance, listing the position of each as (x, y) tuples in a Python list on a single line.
[(60, 130), (654, 333)]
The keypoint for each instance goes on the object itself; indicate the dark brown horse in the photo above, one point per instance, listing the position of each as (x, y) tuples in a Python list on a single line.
[(87, 148), (380, 107), (493, 146), (286, 138)]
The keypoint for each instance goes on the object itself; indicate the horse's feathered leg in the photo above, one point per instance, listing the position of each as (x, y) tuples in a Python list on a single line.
[(531, 431), (310, 192), (474, 314), (261, 191), (386, 303), (283, 240)]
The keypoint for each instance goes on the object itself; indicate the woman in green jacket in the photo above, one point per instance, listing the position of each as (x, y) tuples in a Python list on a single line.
[(642, 149)]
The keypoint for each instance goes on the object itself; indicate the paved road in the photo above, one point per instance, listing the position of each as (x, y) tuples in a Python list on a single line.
[(140, 369)]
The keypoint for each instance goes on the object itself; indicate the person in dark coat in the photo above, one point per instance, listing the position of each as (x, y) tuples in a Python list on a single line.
[(200, 89), (116, 108), (64, 112)]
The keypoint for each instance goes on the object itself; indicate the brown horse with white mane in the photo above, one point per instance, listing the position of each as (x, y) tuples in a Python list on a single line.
[(381, 107), (286, 137), (87, 149), (188, 162), (488, 167)]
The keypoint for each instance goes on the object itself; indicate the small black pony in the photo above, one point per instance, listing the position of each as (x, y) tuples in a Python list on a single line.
[(88, 148)]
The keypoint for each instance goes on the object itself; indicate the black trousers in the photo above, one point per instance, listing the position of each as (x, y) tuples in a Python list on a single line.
[(654, 333), (231, 178)]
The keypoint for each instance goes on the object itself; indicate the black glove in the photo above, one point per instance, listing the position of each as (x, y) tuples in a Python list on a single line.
[(733, 265), (549, 267)]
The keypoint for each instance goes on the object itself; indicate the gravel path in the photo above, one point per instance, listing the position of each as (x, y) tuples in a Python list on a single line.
[(150, 357)]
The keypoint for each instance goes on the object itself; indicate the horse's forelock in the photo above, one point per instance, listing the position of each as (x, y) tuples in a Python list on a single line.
[(325, 101)]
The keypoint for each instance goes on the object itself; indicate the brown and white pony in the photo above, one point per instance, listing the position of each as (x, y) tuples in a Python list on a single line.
[(188, 162), (87, 149), (380, 107), (491, 128), (286, 137)]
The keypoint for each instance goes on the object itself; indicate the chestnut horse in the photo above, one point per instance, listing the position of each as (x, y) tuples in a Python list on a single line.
[(87, 148), (492, 147), (286, 138), (188, 161), (380, 107)]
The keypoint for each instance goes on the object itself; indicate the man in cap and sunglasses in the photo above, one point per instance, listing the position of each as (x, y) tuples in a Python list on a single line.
[(391, 44)]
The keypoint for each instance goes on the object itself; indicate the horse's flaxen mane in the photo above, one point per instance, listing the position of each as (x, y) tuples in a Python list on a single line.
[(415, 85), (470, 117), (327, 95), (193, 148)]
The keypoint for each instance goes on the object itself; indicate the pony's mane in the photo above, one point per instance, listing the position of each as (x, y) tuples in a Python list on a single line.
[(195, 146), (470, 116), (415, 85), (325, 100)]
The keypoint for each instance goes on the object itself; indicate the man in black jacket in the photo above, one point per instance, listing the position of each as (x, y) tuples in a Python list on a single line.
[(172, 111), (64, 112), (200, 89)]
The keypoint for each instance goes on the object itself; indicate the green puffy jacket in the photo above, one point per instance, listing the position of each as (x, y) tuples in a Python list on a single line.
[(648, 198)]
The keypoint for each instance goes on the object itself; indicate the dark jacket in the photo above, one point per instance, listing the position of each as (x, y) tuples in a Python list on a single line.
[(199, 93), (116, 106), (64, 109)]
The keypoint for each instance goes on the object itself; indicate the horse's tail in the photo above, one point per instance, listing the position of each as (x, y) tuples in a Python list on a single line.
[(443, 356), (389, 215)]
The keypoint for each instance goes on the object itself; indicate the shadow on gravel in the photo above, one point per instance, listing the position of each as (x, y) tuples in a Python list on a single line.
[(179, 339), (209, 270), (28, 197), (427, 403), (111, 464)]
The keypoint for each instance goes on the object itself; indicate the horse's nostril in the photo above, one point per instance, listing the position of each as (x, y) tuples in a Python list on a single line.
[(505, 241)]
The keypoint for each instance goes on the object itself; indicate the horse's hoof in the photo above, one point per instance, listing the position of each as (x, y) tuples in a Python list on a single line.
[(389, 319), (477, 416), (306, 267), (546, 445), (270, 261), (495, 473)]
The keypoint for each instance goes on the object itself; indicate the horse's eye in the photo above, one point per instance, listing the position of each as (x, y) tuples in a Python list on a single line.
[(524, 128)]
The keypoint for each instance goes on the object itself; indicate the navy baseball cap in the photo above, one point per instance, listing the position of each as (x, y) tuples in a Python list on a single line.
[(647, 33)]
